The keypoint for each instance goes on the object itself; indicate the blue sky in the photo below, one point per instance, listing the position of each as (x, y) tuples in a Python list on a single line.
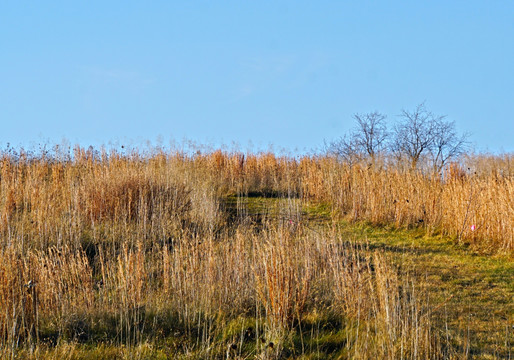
[(255, 73)]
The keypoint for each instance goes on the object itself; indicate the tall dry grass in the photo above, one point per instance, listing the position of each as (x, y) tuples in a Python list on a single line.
[(130, 248), (472, 201), (277, 277), (475, 207)]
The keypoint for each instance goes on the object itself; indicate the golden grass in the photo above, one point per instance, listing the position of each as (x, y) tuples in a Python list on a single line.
[(42, 194), (124, 250)]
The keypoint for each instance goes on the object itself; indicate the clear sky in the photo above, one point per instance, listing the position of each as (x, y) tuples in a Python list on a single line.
[(289, 73)]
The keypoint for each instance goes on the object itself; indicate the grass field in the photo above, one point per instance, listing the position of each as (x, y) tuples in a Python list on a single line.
[(167, 255)]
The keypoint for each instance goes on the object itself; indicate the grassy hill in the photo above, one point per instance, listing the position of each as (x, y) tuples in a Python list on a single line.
[(230, 256)]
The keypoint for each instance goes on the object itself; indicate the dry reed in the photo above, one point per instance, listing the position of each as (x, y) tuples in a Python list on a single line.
[(112, 245)]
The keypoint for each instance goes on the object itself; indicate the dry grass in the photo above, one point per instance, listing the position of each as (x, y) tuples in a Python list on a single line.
[(133, 250), (41, 194)]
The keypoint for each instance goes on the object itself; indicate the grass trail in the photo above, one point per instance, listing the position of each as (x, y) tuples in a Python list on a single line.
[(476, 291), (470, 294), (473, 292)]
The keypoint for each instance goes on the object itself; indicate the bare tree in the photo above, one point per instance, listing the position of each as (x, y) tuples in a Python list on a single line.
[(447, 144), (420, 133), (367, 140), (345, 148), (371, 133), (414, 134)]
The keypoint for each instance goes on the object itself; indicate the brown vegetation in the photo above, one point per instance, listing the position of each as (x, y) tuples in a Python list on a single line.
[(128, 249)]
